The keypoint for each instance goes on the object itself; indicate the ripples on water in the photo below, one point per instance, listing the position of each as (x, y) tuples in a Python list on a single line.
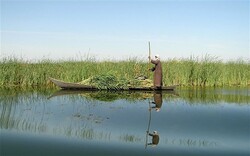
[(188, 122)]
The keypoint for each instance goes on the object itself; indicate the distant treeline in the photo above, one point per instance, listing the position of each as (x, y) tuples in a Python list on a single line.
[(193, 71)]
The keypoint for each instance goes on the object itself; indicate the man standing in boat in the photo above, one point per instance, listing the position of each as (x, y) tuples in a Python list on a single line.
[(157, 71)]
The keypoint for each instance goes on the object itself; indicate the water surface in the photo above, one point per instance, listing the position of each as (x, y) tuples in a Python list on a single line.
[(187, 122)]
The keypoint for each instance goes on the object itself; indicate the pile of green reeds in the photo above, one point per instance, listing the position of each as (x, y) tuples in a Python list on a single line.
[(111, 82), (194, 71), (107, 81)]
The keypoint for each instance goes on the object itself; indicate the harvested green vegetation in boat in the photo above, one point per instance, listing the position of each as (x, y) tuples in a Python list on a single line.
[(110, 81)]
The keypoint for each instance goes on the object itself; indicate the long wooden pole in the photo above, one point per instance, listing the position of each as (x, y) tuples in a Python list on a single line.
[(149, 55), (149, 121)]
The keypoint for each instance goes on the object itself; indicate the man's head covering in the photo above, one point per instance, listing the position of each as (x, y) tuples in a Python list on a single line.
[(155, 132), (157, 56)]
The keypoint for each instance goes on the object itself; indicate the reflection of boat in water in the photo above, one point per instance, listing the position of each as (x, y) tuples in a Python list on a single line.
[(68, 92), (109, 95), (78, 86)]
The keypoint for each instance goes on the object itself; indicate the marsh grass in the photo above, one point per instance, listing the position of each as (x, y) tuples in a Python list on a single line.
[(193, 71)]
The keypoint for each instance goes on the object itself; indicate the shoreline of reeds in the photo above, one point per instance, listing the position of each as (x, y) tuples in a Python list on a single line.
[(207, 71)]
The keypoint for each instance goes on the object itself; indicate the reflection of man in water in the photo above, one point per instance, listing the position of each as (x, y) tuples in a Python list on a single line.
[(155, 138), (157, 101)]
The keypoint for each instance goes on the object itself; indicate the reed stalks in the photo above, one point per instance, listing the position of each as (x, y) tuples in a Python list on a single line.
[(193, 71)]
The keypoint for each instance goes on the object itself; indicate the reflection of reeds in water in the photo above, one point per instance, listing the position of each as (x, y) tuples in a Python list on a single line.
[(82, 133), (215, 95), (24, 123), (130, 138), (10, 98), (191, 142)]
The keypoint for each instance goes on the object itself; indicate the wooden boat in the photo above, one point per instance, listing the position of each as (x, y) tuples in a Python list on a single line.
[(77, 86), (73, 86)]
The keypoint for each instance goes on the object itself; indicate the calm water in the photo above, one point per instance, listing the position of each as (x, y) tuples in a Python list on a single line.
[(187, 122)]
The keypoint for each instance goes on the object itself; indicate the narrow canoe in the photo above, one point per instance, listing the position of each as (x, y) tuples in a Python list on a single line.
[(77, 86), (73, 86)]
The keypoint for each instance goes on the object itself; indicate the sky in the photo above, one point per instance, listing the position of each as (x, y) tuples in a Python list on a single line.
[(121, 29)]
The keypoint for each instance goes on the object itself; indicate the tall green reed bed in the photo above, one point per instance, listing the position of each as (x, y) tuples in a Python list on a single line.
[(207, 71)]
